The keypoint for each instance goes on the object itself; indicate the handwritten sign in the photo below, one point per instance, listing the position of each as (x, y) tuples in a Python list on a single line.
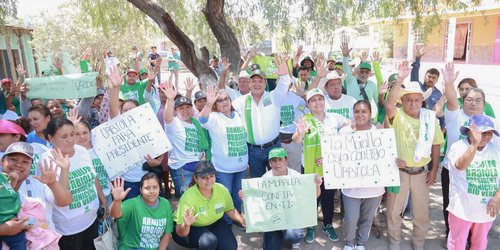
[(277, 203), (123, 142), (360, 159), (63, 87)]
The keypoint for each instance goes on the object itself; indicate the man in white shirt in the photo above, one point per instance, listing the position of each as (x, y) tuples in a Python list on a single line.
[(260, 112), (336, 102)]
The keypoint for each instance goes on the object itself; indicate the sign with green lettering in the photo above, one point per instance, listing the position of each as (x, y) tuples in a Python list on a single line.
[(277, 203), (360, 159), (63, 87), (123, 142)]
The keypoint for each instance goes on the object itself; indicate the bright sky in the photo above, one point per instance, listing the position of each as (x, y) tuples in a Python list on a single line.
[(35, 7)]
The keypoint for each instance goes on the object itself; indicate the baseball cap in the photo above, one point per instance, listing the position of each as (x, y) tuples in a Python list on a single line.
[(258, 72), (314, 92), (199, 95), (244, 74), (6, 80), (204, 168), (131, 71), (339, 65), (20, 148), (483, 124), (143, 71), (8, 127), (365, 65), (392, 78), (181, 101), (277, 153)]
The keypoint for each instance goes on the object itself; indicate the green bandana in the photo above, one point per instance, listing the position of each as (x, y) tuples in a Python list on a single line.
[(312, 146), (205, 143)]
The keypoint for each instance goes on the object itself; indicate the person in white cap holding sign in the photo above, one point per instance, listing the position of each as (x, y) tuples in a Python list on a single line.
[(418, 141)]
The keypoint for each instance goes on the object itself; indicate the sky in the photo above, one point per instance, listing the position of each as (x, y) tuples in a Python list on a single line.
[(27, 8)]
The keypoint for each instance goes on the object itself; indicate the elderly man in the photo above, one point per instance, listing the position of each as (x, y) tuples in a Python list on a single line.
[(260, 111), (418, 142)]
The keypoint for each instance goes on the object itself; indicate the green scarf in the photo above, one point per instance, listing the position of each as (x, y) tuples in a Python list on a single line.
[(205, 144), (312, 146), (248, 119)]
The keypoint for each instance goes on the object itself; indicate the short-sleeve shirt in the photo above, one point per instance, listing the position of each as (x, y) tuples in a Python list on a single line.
[(102, 175), (9, 200), (134, 91), (184, 139), (209, 210), (85, 66), (343, 106), (142, 226), (472, 188), (153, 57), (407, 130), (292, 108)]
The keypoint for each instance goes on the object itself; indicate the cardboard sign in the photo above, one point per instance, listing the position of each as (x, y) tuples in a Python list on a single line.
[(123, 142), (63, 87), (277, 203), (360, 159)]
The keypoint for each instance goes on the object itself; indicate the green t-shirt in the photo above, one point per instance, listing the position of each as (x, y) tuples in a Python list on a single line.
[(134, 91), (141, 226), (209, 210), (85, 66), (9, 200)]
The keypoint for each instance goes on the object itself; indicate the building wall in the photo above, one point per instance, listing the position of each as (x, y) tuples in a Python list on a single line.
[(400, 48), (28, 51), (483, 38)]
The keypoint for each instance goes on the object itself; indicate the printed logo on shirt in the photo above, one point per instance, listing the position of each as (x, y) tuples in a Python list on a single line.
[(151, 232), (134, 94), (192, 140), (342, 111), (219, 208), (287, 115), (236, 141), (82, 187), (482, 177), (34, 165), (101, 173), (201, 210)]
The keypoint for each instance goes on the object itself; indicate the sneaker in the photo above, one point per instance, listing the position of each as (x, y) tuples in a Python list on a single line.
[(296, 246), (360, 247), (348, 248), (332, 235), (310, 234), (407, 215)]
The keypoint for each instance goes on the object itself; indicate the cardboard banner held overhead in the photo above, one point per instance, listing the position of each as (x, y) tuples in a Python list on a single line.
[(123, 142), (277, 203), (63, 87), (360, 159)]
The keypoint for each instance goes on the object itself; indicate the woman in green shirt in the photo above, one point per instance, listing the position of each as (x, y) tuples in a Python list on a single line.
[(144, 222), (198, 218)]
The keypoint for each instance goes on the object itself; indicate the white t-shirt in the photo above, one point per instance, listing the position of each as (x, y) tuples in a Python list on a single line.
[(361, 193), (291, 172), (82, 212), (38, 150), (184, 139), (342, 106), (9, 116), (292, 108), (101, 173), (471, 189), (34, 191), (229, 147), (265, 115)]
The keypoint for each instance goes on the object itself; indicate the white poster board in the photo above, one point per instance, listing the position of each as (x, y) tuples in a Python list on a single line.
[(123, 142), (360, 159)]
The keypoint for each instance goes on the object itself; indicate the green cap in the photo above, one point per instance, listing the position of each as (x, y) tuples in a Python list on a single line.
[(365, 65), (392, 78), (143, 71), (258, 72), (277, 153)]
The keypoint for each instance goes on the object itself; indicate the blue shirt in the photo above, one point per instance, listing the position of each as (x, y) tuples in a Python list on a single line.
[(33, 138)]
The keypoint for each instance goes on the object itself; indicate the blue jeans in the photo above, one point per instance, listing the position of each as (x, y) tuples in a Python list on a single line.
[(232, 181), (216, 236), (258, 160), (15, 242), (273, 240), (181, 178), (135, 189)]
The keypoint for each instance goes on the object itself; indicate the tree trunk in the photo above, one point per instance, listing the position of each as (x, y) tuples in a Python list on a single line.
[(10, 57), (198, 67), (229, 47)]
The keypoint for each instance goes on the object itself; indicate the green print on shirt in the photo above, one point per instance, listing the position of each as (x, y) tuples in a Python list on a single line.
[(151, 232), (287, 115), (101, 173), (482, 178), (81, 185), (236, 141), (343, 112), (34, 165), (192, 140)]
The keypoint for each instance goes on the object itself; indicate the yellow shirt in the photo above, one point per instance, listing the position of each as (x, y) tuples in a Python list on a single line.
[(407, 130)]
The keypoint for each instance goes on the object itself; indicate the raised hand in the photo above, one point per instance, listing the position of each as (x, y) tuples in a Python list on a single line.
[(321, 67), (169, 91), (449, 73), (299, 50), (282, 61), (404, 70), (211, 94), (314, 55), (344, 46), (475, 135), (74, 117), (252, 53), (225, 64), (117, 189), (115, 78), (364, 56), (151, 73), (189, 217), (189, 83), (60, 159), (58, 62), (376, 57), (419, 51), (301, 127), (48, 172), (20, 70), (383, 89)]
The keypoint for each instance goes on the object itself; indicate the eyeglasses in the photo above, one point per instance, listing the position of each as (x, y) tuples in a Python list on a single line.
[(223, 99), (471, 100)]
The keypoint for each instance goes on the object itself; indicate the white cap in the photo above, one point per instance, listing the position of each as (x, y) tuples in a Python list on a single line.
[(314, 92)]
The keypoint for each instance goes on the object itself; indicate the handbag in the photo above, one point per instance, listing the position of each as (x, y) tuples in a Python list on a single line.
[(108, 240)]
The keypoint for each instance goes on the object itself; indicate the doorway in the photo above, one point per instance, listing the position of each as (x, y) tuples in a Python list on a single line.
[(462, 42)]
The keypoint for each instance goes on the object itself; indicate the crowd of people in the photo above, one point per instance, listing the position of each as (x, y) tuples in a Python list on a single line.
[(55, 192)]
